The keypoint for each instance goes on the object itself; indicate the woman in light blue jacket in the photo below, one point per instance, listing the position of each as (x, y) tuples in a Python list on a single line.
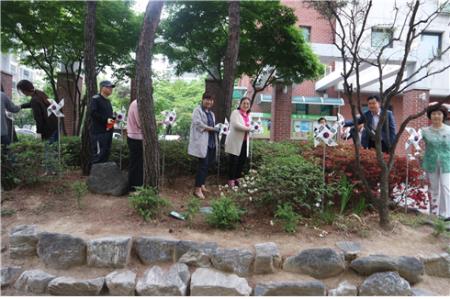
[(203, 142)]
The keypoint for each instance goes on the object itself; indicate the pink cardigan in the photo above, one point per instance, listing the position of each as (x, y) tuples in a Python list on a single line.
[(133, 123)]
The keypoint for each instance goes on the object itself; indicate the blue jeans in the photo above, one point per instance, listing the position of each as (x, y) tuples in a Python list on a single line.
[(49, 152), (203, 163)]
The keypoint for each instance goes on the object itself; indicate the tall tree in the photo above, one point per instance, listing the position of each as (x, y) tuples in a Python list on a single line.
[(144, 86), (48, 34), (91, 80), (231, 55), (348, 19), (196, 38)]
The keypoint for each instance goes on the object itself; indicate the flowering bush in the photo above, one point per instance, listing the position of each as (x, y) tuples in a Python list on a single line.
[(283, 180)]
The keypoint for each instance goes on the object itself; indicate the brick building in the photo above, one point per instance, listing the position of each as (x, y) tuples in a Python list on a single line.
[(288, 112)]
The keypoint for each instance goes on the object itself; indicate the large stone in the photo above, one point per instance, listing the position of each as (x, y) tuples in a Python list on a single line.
[(316, 262), (22, 241), (350, 249), (421, 292), (437, 264), (68, 286), (344, 289), (209, 282), (196, 258), (238, 261), (33, 281), (291, 288), (385, 284), (61, 251), (267, 258), (121, 283), (157, 282), (183, 247), (109, 252), (409, 268), (9, 275), (107, 178), (155, 249)]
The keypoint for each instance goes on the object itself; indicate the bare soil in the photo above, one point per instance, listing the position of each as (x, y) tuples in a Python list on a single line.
[(52, 206)]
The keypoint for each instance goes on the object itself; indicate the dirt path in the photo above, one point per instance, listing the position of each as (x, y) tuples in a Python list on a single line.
[(55, 210)]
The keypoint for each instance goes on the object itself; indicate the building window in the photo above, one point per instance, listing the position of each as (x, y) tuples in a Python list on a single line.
[(432, 44), (306, 31), (381, 37), (301, 109), (326, 110), (26, 73)]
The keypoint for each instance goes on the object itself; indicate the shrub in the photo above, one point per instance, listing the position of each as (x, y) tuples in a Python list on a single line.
[(193, 208), (147, 202), (288, 179), (225, 213), (345, 190), (22, 163), (288, 217), (80, 189)]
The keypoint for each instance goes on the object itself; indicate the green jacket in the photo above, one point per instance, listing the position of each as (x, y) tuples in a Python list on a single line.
[(437, 148)]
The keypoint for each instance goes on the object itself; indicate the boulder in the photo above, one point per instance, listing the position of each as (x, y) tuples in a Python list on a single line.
[(155, 249), (385, 284), (437, 264), (238, 261), (291, 288), (421, 292), (209, 282), (107, 178), (9, 275), (121, 283), (344, 289), (157, 282), (109, 252), (183, 247), (350, 249), (409, 268), (22, 241), (33, 281), (61, 251), (196, 258), (267, 258), (316, 262), (68, 286)]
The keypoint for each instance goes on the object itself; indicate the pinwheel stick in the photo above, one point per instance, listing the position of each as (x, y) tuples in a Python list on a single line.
[(405, 194), (218, 159), (121, 145), (324, 153), (59, 141)]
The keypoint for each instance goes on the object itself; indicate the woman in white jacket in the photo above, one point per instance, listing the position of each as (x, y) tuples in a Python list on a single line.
[(203, 141), (237, 141)]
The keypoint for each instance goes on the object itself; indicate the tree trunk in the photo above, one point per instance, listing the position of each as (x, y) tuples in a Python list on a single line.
[(231, 55), (91, 81), (144, 88), (383, 201)]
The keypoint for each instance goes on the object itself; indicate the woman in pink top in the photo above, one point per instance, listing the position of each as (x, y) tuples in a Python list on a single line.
[(237, 141), (134, 140)]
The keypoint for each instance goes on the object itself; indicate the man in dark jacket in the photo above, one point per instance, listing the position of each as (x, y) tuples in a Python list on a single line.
[(102, 124), (371, 119)]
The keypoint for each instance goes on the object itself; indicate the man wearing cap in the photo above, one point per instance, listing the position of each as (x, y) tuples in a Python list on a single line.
[(102, 124)]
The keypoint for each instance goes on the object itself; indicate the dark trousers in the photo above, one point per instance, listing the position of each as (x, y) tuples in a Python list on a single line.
[(203, 163), (236, 163), (384, 147), (135, 164), (100, 147)]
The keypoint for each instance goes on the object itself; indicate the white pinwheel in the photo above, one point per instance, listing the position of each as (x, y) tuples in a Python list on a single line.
[(256, 127), (414, 138), (325, 134), (55, 108), (169, 118), (223, 128)]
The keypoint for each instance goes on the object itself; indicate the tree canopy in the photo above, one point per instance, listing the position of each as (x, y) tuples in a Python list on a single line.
[(195, 39)]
